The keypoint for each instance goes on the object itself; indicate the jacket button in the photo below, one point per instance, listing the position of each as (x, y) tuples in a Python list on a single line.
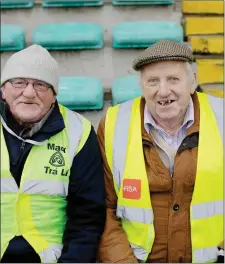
[(181, 260), (176, 207)]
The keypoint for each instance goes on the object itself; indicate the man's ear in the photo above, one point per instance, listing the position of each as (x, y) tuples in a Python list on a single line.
[(194, 83), (54, 99)]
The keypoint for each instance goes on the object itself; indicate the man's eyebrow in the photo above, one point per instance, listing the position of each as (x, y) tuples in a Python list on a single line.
[(153, 77), (172, 75)]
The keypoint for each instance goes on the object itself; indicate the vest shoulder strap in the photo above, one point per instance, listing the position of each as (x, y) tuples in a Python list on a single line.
[(120, 140), (217, 107), (78, 129)]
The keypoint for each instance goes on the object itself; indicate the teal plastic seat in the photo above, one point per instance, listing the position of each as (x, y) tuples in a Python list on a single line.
[(17, 3), (80, 93), (142, 34), (71, 3), (125, 88), (68, 36), (142, 2), (12, 38)]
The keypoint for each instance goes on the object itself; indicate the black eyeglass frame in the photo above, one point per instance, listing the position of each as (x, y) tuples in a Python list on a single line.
[(47, 86)]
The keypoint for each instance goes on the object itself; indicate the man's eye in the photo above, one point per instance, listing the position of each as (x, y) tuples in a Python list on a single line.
[(19, 82), (41, 84), (151, 81), (174, 79)]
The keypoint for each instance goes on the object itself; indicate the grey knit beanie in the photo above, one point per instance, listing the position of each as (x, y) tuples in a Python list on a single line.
[(34, 62)]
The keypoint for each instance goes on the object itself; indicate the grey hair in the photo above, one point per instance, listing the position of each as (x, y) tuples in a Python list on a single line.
[(191, 73), (189, 70)]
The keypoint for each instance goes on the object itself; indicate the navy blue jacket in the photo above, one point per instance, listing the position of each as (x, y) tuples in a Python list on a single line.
[(86, 196)]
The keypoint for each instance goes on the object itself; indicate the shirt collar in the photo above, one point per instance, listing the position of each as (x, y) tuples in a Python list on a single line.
[(188, 118)]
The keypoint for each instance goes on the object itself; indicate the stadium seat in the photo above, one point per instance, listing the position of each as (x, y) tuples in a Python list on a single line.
[(17, 3), (215, 92), (204, 25), (142, 2), (210, 71), (125, 88), (12, 38), (142, 34), (71, 3), (208, 44), (80, 93), (68, 36)]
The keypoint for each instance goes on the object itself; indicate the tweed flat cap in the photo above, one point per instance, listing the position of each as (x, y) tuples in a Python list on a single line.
[(164, 50)]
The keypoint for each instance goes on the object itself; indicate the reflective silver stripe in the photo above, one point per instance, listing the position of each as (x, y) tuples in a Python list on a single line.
[(8, 185), (205, 210), (217, 106), (51, 254), (139, 215), (75, 130), (48, 187), (139, 253), (203, 255), (121, 140)]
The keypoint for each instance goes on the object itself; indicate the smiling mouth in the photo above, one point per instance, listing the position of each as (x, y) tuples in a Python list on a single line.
[(165, 103), (28, 103)]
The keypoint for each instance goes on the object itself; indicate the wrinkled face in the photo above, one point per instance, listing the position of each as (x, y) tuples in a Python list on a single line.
[(166, 87), (28, 105)]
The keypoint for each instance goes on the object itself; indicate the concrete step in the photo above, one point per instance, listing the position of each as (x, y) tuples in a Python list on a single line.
[(95, 116), (107, 16)]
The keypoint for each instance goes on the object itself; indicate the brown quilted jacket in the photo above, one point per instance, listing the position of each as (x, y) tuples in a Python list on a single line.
[(170, 197)]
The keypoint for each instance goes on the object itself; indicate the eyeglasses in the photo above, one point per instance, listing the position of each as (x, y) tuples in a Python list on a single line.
[(22, 84)]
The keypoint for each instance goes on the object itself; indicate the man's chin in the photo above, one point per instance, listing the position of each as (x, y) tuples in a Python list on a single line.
[(24, 118), (166, 117)]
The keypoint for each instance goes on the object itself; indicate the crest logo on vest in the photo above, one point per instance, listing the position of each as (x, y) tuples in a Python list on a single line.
[(132, 189), (57, 160)]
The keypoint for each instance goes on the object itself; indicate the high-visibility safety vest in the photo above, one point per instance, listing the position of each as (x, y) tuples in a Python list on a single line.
[(123, 144), (37, 209)]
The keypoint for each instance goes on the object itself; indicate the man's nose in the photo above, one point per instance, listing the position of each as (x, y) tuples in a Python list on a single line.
[(163, 90), (29, 91)]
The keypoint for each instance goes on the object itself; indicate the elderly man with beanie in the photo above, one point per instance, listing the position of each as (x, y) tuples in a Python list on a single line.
[(163, 162), (52, 180)]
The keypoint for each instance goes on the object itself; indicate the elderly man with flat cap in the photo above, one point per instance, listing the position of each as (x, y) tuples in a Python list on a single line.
[(52, 180), (163, 162)]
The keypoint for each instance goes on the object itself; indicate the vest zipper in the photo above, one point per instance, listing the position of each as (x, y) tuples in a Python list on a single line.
[(17, 231), (22, 146)]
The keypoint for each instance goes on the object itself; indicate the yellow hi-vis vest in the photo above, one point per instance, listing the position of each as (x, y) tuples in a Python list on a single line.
[(123, 144), (37, 210)]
